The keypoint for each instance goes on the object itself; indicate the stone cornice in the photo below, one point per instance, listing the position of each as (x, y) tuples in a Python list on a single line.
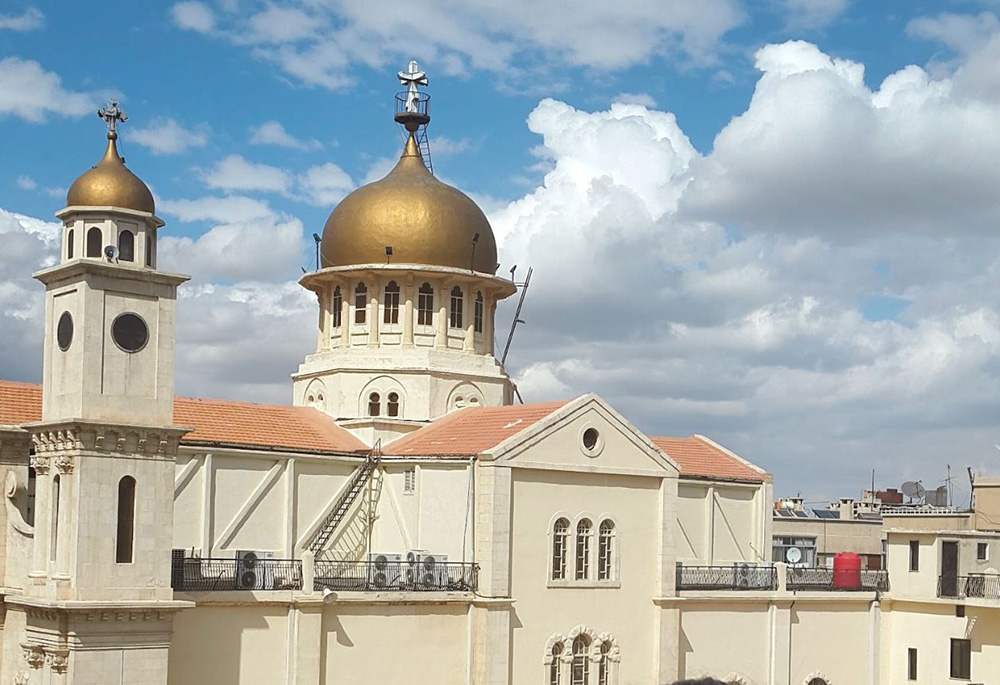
[(53, 438), (80, 267)]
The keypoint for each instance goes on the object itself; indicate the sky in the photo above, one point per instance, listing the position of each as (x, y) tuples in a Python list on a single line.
[(772, 222)]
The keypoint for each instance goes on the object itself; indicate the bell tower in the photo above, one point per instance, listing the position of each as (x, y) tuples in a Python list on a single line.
[(97, 601)]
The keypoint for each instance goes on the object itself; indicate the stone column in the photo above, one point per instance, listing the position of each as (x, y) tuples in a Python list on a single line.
[(67, 488), (408, 312), (324, 320), (43, 516), (345, 314), (490, 312), (470, 324), (373, 315), (441, 339)]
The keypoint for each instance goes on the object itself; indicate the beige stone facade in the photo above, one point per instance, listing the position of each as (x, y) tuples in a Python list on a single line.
[(405, 521)]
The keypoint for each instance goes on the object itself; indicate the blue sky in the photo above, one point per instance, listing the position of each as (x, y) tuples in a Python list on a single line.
[(772, 222)]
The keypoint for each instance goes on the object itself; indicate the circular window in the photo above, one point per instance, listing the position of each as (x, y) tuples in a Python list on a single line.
[(64, 331), (590, 438), (130, 332)]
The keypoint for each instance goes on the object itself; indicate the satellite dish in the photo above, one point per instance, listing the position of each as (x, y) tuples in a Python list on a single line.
[(910, 488), (921, 491), (111, 252), (793, 555)]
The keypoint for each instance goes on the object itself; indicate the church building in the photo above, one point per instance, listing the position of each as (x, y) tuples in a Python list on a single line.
[(404, 519)]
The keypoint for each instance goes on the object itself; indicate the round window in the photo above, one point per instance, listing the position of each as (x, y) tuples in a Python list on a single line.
[(64, 331), (590, 438), (130, 332)]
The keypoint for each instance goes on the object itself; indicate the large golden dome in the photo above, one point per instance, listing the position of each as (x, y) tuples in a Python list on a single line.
[(110, 184), (424, 220)]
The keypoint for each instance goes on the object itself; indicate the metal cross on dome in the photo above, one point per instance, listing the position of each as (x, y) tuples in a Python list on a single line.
[(412, 78), (112, 114)]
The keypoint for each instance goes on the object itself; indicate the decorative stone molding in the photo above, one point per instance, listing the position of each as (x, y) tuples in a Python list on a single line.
[(123, 616), (737, 679), (21, 678), (33, 654), (615, 654), (817, 675), (557, 639), (57, 659), (151, 442), (40, 464), (63, 463)]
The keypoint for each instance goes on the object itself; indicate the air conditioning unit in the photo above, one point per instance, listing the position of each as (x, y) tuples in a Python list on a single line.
[(743, 572), (385, 571), (426, 571), (253, 572)]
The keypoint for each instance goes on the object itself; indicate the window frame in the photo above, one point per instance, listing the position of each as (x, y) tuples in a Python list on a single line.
[(964, 662), (914, 565), (361, 304), (125, 519), (390, 304), (583, 547), (606, 550), (982, 551), (478, 312), (337, 308), (425, 304), (558, 562), (911, 663), (393, 405), (456, 309), (374, 404), (126, 239), (94, 232), (70, 235), (579, 670)]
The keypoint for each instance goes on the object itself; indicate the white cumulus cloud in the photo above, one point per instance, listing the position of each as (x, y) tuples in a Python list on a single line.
[(274, 133), (31, 93), (167, 137), (30, 19), (193, 16)]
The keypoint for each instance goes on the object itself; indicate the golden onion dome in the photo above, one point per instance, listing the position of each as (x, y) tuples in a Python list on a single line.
[(423, 220), (110, 184)]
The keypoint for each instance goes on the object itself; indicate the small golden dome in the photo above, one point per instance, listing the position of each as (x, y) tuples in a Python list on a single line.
[(110, 184), (424, 220)]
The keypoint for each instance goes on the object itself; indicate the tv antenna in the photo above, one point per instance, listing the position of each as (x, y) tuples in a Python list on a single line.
[(517, 313), (413, 109)]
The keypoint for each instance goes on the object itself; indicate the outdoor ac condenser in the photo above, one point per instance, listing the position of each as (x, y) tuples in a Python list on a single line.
[(252, 570)]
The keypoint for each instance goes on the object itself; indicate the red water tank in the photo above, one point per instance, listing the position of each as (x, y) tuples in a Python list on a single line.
[(847, 571)]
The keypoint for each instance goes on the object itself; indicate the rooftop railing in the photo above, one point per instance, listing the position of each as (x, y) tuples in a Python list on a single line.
[(975, 586), (393, 576), (736, 577), (828, 580), (216, 574)]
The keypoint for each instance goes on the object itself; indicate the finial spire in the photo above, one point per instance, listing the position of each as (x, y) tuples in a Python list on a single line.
[(112, 114)]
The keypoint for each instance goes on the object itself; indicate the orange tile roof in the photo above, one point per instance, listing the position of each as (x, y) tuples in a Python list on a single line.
[(470, 431), (699, 458), (216, 422)]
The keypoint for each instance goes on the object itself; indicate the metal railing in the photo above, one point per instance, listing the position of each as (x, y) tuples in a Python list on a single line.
[(375, 576), (736, 577), (977, 585), (235, 574), (828, 580)]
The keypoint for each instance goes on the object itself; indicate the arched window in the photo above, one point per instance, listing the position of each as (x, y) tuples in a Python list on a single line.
[(360, 303), (560, 540), (126, 246), (126, 520), (337, 307), (425, 305), (580, 671), (54, 524), (374, 404), (149, 250), (605, 550), (817, 681), (584, 530), (391, 304), (95, 241), (604, 665), (457, 300), (555, 668), (392, 406), (69, 244), (477, 318)]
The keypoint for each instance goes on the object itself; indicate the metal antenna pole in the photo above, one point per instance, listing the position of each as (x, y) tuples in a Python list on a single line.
[(517, 318)]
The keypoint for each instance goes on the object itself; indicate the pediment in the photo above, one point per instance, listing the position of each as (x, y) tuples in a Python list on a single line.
[(585, 435)]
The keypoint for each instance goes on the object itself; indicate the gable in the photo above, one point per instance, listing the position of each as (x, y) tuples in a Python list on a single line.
[(562, 441), (700, 458)]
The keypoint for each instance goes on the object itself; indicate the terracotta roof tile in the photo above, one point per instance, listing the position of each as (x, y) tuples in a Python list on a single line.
[(216, 422), (470, 431), (699, 458)]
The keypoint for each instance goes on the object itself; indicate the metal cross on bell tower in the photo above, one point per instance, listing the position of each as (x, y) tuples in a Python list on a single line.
[(112, 114), (413, 108)]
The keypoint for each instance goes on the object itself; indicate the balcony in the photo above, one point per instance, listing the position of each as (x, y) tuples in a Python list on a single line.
[(381, 576), (975, 586), (214, 575), (233, 574), (737, 577), (825, 580)]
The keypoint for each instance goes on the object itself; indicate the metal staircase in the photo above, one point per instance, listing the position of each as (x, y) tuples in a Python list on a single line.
[(355, 487)]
